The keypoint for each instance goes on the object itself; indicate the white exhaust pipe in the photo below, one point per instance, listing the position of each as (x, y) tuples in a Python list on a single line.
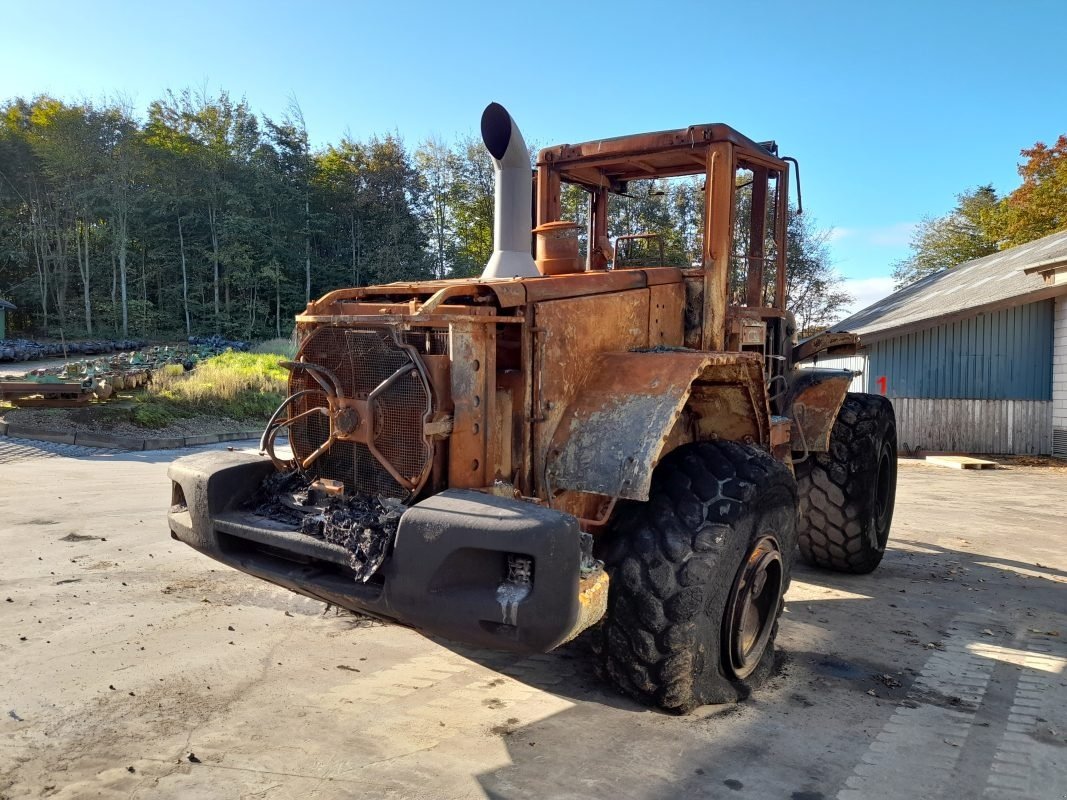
[(512, 217)]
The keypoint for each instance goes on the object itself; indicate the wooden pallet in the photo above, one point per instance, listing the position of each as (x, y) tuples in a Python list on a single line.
[(32, 394), (961, 462)]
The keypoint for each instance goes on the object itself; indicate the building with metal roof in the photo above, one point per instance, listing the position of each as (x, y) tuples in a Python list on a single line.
[(974, 358)]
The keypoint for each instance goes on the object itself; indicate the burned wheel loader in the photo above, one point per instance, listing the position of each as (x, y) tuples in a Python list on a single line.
[(588, 439)]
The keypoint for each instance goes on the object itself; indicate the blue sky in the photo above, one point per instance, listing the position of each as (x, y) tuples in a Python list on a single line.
[(892, 108)]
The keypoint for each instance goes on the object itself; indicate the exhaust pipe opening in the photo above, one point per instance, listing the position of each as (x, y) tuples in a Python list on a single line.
[(496, 130), (512, 218)]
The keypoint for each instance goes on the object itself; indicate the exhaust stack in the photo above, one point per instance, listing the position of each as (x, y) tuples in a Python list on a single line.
[(512, 217)]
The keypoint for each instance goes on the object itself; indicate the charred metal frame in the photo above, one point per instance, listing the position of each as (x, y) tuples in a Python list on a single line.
[(536, 366), (716, 151)]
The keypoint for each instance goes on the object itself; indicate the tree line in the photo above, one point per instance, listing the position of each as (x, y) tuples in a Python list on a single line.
[(203, 217), (982, 222)]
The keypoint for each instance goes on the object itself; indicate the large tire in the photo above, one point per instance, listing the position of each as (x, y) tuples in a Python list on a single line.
[(677, 633), (847, 494)]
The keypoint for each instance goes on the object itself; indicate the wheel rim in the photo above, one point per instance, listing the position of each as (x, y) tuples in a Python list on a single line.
[(881, 502), (753, 606), (883, 497)]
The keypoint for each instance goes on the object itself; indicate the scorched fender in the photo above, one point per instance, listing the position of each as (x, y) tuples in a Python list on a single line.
[(634, 407)]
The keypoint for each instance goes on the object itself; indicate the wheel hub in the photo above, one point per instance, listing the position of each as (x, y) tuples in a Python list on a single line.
[(753, 606)]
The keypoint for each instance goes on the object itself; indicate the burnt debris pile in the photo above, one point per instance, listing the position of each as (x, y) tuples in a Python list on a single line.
[(30, 350), (364, 525), (219, 343)]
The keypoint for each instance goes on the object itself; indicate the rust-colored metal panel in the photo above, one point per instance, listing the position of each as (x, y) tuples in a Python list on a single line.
[(614, 432), (832, 343), (568, 334), (630, 156), (583, 284), (813, 400), (427, 304), (730, 401), (666, 314), (548, 195), (467, 455), (718, 237), (654, 276)]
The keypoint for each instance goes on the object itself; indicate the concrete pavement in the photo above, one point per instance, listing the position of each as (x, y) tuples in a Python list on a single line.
[(122, 652)]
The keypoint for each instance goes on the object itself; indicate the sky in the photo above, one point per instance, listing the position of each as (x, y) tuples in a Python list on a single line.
[(892, 108)]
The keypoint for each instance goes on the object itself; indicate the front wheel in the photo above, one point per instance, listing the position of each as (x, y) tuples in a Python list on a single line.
[(698, 573)]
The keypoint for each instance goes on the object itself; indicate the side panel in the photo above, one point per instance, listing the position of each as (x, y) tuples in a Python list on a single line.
[(626, 416), (470, 452), (568, 335), (666, 314)]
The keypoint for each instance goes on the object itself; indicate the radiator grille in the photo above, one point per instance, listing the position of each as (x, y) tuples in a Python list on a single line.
[(362, 360), (1059, 442), (428, 341)]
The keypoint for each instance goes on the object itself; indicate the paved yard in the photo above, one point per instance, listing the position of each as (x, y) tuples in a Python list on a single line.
[(123, 652)]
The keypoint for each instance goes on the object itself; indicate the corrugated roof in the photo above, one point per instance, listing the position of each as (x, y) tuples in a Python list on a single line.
[(6, 304), (995, 280)]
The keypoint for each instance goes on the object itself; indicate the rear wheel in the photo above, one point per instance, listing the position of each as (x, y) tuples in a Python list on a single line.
[(697, 578), (847, 494)]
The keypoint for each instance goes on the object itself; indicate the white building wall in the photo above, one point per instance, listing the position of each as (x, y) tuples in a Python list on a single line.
[(856, 363), (1059, 378)]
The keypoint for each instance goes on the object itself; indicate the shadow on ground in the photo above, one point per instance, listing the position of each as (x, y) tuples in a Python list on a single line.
[(874, 634)]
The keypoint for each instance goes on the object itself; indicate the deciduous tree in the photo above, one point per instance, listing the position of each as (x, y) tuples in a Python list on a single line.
[(965, 233)]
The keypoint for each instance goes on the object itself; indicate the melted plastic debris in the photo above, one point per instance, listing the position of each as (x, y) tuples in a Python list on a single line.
[(362, 524), (281, 496), (509, 596)]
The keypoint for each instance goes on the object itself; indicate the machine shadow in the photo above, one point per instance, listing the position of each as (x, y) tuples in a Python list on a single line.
[(596, 744)]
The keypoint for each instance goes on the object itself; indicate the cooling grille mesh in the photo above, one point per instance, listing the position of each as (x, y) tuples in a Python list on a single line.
[(362, 360)]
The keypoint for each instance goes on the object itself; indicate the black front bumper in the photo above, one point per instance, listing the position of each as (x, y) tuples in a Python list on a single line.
[(447, 572)]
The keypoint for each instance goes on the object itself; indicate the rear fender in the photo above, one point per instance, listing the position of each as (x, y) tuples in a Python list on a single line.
[(813, 400), (633, 408)]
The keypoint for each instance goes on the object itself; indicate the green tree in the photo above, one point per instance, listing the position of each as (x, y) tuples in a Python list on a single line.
[(965, 233), (814, 290), (471, 200)]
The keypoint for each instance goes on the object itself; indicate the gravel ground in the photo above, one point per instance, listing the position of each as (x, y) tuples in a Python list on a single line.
[(89, 420)]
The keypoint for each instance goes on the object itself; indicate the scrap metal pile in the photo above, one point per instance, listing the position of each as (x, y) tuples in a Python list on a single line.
[(363, 525), (29, 350), (77, 382)]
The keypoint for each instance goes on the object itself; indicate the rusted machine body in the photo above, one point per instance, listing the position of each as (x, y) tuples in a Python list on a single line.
[(548, 384), (515, 415)]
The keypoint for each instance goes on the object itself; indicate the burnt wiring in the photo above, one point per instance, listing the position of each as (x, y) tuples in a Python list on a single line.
[(800, 432), (772, 395)]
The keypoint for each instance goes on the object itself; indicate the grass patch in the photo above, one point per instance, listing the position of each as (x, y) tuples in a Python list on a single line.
[(246, 387), (284, 347)]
